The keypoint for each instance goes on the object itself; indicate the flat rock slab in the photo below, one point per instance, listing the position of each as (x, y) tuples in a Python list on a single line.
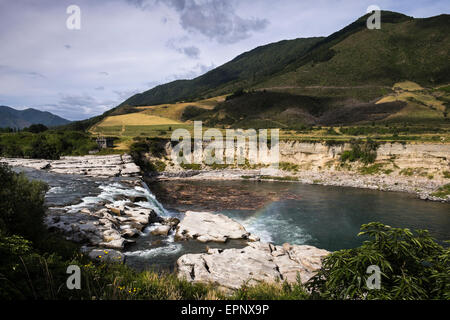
[(94, 166), (206, 227), (29, 163), (258, 262)]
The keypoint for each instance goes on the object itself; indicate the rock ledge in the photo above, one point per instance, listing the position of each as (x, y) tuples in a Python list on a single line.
[(206, 227), (258, 262)]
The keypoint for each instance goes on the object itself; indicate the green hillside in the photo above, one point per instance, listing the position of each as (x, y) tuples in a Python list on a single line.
[(244, 71), (403, 49), (266, 109), (330, 80)]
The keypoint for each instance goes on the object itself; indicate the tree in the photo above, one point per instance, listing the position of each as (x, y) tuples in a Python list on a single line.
[(42, 149), (36, 128)]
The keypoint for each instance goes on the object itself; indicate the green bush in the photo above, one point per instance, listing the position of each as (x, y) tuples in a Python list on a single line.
[(40, 148), (22, 205), (287, 166), (155, 147), (413, 266), (191, 166), (442, 192), (366, 152)]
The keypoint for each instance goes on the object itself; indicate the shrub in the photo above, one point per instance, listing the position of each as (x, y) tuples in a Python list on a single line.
[(413, 266), (50, 144), (191, 166), (40, 148), (237, 93), (366, 152), (373, 169), (331, 131), (442, 192), (22, 205), (153, 146), (276, 291), (287, 166)]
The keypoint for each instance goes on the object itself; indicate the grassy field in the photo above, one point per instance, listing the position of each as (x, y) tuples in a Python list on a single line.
[(133, 119), (422, 104), (175, 111)]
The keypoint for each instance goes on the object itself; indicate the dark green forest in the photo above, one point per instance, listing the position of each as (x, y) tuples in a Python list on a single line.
[(40, 143)]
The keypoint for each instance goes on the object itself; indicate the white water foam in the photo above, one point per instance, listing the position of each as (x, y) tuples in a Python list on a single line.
[(170, 249), (56, 190), (270, 226), (113, 190), (151, 253), (255, 226)]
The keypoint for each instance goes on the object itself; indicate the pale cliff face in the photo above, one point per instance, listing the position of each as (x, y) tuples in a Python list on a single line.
[(422, 160), (434, 158)]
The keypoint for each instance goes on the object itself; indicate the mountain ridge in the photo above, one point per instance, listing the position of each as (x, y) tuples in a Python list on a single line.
[(317, 50), (352, 64), (13, 118)]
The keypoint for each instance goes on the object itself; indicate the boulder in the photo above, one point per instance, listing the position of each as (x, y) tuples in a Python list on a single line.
[(138, 215), (114, 244), (128, 231), (172, 222), (109, 256), (118, 211), (138, 199), (154, 218), (206, 227), (161, 230)]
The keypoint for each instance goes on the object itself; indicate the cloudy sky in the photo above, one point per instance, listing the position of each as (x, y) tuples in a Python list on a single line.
[(129, 46)]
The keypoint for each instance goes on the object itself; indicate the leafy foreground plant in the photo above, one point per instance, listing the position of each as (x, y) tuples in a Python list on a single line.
[(412, 267)]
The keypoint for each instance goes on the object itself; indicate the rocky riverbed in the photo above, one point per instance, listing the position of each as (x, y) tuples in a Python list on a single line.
[(106, 222), (119, 210), (107, 228), (112, 222)]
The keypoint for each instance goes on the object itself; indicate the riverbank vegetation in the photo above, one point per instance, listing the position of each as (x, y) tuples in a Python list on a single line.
[(34, 262), (442, 191), (45, 144), (364, 151)]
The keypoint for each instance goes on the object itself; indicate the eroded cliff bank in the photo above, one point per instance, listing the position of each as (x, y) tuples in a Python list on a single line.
[(423, 169)]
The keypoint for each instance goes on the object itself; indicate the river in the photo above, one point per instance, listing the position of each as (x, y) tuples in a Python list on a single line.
[(322, 216)]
